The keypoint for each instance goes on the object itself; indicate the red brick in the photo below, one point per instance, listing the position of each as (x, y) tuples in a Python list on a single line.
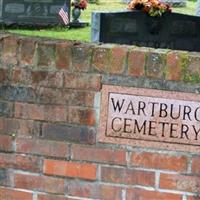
[(53, 197), (39, 183), (101, 58), (94, 190), (10, 45), (12, 194), (28, 128), (140, 194), (22, 162), (70, 169), (82, 116), (6, 143), (4, 75), (42, 147), (100, 155), (29, 111), (27, 51), (127, 176), (82, 81), (52, 96), (46, 54), (40, 112), (180, 182), (196, 165), (81, 57), (21, 76), (63, 55), (81, 98), (136, 62), (174, 68), (159, 161), (8, 126), (118, 60), (47, 79), (6, 176)]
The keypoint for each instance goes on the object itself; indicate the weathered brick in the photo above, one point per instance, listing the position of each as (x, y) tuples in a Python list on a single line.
[(94, 190), (81, 98), (29, 111), (46, 54), (4, 75), (40, 112), (6, 143), (98, 154), (70, 169), (28, 128), (6, 109), (174, 67), (180, 182), (22, 162), (118, 60), (155, 65), (196, 165), (81, 57), (8, 126), (80, 134), (136, 62), (39, 183), (82, 116), (127, 176), (101, 58), (63, 55), (53, 197), (159, 161), (27, 51), (10, 46), (12, 194), (17, 93), (82, 81), (51, 96), (42, 147), (5, 177), (194, 64), (47, 79), (141, 194), (21, 76)]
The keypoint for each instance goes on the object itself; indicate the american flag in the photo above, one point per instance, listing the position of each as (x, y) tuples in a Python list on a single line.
[(64, 14)]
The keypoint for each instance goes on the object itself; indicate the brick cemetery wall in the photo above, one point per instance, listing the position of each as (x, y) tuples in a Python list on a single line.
[(52, 117)]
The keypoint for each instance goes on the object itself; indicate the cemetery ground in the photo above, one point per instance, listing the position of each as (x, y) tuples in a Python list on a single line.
[(83, 34)]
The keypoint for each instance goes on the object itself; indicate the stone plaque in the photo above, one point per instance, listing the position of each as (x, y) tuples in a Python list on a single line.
[(150, 118)]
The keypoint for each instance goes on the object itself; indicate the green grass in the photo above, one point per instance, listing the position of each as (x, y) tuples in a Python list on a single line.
[(83, 34)]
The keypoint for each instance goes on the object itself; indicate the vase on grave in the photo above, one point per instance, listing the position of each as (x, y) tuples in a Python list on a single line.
[(76, 13)]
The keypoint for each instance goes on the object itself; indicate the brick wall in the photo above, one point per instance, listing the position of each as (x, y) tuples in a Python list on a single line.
[(50, 95)]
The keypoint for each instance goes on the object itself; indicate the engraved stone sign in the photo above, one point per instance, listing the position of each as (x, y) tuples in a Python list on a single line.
[(150, 118), (31, 12)]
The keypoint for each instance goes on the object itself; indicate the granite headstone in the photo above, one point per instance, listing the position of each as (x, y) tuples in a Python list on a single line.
[(172, 30), (31, 12)]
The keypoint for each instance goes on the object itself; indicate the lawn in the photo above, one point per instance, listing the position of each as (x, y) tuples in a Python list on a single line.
[(84, 33)]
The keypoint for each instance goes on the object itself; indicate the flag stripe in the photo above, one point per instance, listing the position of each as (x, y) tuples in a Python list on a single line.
[(64, 14)]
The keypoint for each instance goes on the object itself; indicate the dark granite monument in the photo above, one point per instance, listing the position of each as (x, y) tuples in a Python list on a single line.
[(172, 30), (31, 12)]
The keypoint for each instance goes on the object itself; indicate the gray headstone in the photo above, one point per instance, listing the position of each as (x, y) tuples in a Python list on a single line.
[(198, 8), (95, 27), (32, 12)]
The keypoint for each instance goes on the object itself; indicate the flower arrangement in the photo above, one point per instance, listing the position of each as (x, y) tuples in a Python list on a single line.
[(81, 4), (154, 8)]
